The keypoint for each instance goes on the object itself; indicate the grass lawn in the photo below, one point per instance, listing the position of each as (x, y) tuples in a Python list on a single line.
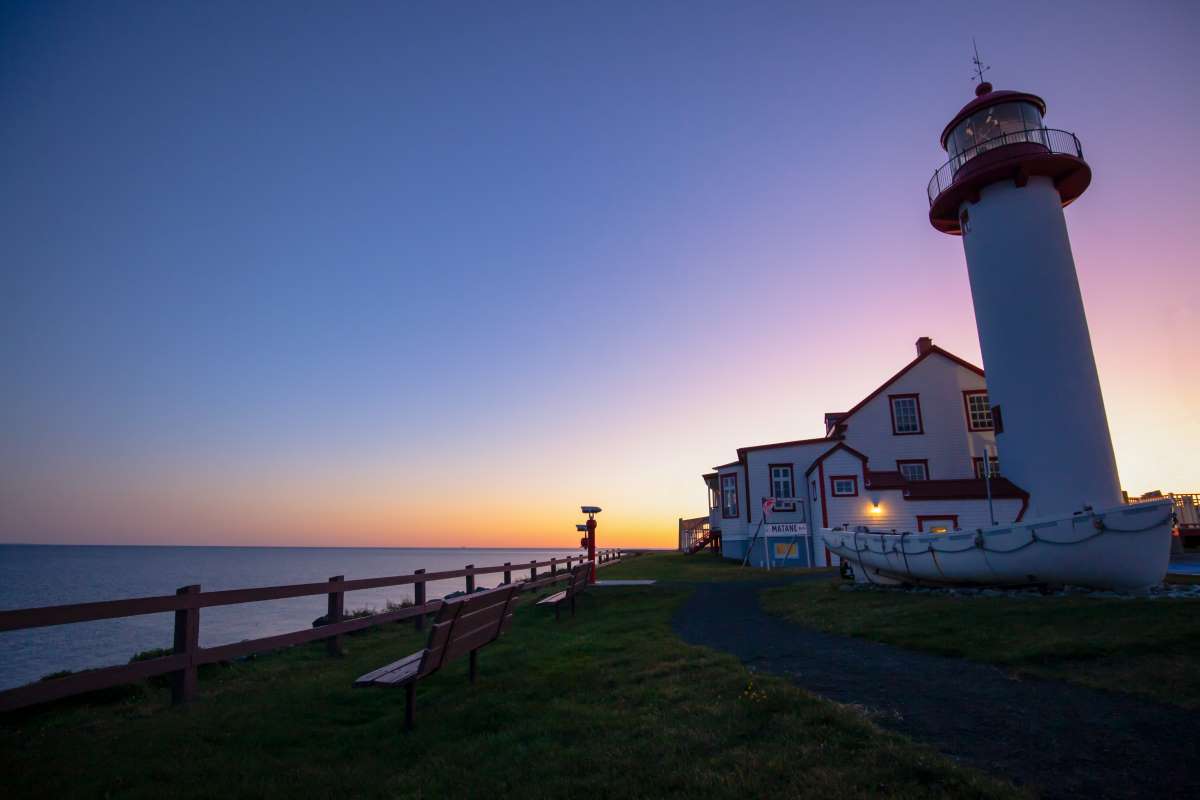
[(698, 567), (608, 704), (1149, 647)]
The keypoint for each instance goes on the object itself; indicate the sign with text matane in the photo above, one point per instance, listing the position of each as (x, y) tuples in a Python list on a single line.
[(786, 529)]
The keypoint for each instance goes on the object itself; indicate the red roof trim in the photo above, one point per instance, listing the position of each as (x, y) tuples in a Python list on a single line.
[(931, 351), (839, 446), (743, 450), (946, 488)]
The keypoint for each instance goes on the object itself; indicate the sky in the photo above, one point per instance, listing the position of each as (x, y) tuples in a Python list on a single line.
[(436, 274)]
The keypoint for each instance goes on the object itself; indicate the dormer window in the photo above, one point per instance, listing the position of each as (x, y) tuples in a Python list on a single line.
[(979, 411), (906, 414)]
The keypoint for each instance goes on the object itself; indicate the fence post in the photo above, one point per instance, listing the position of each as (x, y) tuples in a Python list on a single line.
[(507, 572), (532, 570), (470, 579), (554, 566), (187, 641), (419, 599), (336, 607)]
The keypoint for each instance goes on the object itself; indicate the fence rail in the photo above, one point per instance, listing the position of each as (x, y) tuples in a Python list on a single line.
[(186, 603), (1052, 139)]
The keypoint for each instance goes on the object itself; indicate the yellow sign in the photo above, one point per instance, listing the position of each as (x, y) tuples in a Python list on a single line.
[(788, 550)]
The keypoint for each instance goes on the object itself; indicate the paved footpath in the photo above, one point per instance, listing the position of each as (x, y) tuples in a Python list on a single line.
[(1061, 739)]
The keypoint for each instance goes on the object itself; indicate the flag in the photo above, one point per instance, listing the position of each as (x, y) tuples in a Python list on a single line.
[(768, 504)]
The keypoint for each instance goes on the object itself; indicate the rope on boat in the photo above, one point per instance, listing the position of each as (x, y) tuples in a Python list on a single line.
[(980, 541)]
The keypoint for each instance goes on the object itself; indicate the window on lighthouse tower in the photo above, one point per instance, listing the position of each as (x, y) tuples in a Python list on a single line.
[(995, 126)]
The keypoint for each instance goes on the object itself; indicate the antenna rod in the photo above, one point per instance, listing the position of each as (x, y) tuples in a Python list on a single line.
[(978, 62)]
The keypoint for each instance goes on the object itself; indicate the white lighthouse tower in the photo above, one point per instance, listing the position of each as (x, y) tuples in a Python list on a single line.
[(1003, 190)]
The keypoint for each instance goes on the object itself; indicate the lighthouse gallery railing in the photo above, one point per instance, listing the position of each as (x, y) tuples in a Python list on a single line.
[(1055, 141)]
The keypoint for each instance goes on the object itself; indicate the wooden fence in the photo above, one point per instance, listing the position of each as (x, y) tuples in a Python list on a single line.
[(188, 655)]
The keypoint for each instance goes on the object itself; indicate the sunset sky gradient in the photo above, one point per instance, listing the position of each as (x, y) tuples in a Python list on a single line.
[(429, 274)]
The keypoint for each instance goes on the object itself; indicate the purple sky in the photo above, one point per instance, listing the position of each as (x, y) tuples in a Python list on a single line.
[(315, 273)]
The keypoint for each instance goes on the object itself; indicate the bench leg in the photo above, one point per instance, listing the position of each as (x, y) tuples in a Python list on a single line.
[(474, 660), (410, 703)]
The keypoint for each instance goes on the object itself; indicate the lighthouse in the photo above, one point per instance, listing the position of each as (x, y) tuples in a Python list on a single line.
[(1003, 191)]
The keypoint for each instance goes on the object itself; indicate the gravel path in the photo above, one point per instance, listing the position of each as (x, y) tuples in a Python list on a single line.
[(1064, 740)]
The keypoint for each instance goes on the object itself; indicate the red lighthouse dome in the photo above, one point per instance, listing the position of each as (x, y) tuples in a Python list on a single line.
[(999, 136)]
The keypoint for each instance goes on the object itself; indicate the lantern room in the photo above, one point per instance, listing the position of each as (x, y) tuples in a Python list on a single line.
[(1001, 135)]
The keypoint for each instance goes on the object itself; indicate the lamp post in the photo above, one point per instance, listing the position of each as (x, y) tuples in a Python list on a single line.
[(590, 527)]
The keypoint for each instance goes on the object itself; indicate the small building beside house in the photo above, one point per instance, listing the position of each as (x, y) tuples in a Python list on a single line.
[(910, 456)]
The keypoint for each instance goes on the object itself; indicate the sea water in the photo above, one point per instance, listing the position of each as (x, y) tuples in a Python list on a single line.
[(45, 575)]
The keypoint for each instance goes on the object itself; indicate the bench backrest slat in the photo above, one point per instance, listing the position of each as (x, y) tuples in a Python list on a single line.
[(439, 634), (467, 624), (579, 578)]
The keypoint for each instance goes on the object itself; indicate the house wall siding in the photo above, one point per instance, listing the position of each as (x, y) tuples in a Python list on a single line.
[(735, 527), (900, 514), (758, 463), (946, 442)]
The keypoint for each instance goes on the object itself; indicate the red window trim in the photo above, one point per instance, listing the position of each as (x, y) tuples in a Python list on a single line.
[(833, 479), (922, 461), (737, 504), (771, 485), (967, 408), (892, 411), (923, 518), (977, 465)]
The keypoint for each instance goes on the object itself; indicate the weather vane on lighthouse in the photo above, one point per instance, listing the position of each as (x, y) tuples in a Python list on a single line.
[(980, 67)]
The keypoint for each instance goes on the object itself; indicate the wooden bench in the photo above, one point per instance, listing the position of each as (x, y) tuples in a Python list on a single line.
[(461, 627), (577, 583)]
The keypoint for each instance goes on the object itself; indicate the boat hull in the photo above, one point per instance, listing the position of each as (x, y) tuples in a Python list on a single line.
[(1122, 548)]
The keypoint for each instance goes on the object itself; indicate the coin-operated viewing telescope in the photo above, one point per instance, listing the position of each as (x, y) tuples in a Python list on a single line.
[(590, 540)]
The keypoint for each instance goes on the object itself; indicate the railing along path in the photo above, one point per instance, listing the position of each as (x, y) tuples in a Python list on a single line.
[(188, 655)]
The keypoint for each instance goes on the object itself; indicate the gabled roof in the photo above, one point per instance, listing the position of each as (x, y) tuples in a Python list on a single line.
[(831, 451), (795, 442), (933, 349)]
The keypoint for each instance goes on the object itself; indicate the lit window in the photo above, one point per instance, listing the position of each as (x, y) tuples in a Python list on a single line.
[(729, 496), (844, 485), (979, 411), (714, 497), (906, 414), (977, 465), (932, 524), (914, 469), (783, 485)]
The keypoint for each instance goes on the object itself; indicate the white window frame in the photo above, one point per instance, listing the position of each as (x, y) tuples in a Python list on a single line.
[(984, 416), (977, 466), (914, 465), (728, 492), (916, 423), (848, 479), (785, 481)]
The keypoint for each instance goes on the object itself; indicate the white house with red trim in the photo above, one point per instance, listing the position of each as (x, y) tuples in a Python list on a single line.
[(908, 457)]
